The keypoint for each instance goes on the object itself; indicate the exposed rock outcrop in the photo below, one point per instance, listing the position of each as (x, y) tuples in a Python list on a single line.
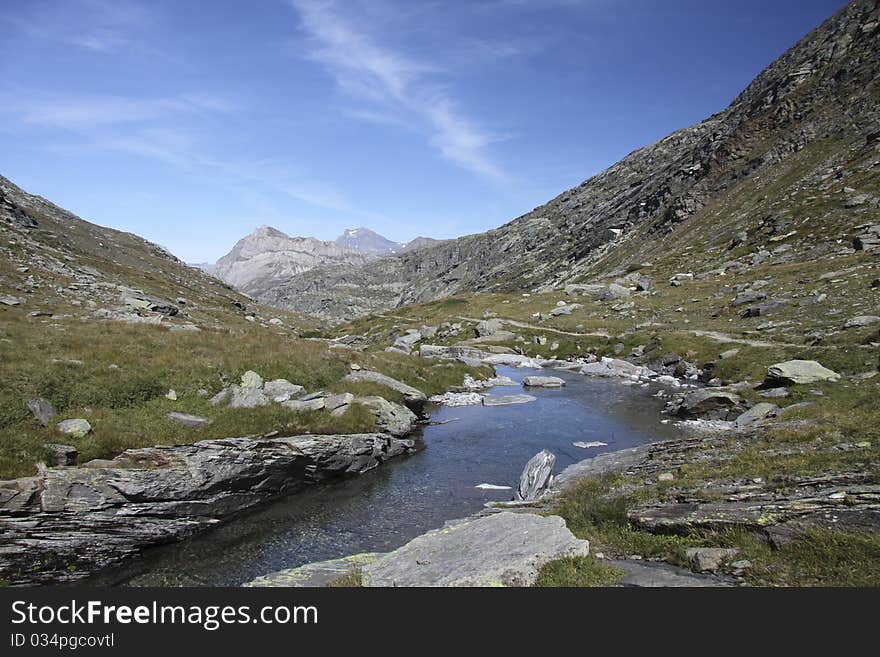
[(69, 522)]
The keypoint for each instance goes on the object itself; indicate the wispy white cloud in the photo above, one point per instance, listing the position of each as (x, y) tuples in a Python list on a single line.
[(100, 26), (397, 89), (82, 111)]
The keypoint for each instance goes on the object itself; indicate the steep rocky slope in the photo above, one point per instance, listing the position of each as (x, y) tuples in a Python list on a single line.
[(367, 241), (824, 89)]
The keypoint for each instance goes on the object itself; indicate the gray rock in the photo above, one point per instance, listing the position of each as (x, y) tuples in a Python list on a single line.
[(220, 397), (612, 367), (536, 477), (793, 372), (303, 405), (543, 382), (507, 400), (61, 454), (333, 402), (428, 332), (503, 549), (42, 410), (193, 421), (319, 574), (709, 559), (76, 427), (775, 393), (408, 341), (413, 396), (565, 310), (247, 397), (488, 327), (710, 404), (251, 379), (393, 418), (10, 301), (281, 390), (464, 354), (458, 399), (756, 413), (861, 321), (653, 574), (78, 520)]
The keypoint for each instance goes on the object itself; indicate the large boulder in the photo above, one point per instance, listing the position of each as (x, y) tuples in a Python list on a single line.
[(280, 390), (793, 372), (488, 327), (756, 413), (247, 397), (318, 574), (536, 477), (503, 549), (710, 404), (392, 418)]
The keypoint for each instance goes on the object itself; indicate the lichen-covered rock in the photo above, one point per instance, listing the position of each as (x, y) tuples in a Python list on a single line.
[(396, 419), (280, 390), (536, 477), (76, 427)]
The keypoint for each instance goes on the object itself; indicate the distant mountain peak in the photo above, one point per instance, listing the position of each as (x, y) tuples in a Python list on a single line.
[(367, 241)]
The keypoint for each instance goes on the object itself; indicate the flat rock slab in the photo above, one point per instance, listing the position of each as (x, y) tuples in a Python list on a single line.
[(504, 549), (798, 372), (652, 574), (506, 400), (410, 394), (319, 574), (187, 420), (543, 382)]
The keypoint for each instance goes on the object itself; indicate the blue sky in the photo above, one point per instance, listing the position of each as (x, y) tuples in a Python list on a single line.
[(192, 123)]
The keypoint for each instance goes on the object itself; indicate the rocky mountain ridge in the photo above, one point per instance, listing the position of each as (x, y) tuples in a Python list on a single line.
[(824, 89), (268, 258)]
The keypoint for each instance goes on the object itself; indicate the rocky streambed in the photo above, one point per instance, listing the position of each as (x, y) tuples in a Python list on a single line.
[(382, 510)]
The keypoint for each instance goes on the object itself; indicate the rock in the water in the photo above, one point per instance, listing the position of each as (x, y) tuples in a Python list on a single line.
[(506, 400), (543, 382), (756, 413), (76, 427), (536, 477), (458, 399), (42, 410), (61, 454), (302, 405), (590, 444), (280, 390), (709, 559), (503, 549), (251, 379), (193, 421), (612, 367), (491, 487), (793, 372), (395, 419)]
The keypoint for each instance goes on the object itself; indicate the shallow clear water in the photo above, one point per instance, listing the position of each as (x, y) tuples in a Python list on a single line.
[(384, 508)]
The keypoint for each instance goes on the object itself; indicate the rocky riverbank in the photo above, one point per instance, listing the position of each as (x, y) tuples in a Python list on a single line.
[(68, 522)]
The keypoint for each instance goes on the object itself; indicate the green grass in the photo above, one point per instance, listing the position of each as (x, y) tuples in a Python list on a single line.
[(126, 370), (351, 580), (577, 572)]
